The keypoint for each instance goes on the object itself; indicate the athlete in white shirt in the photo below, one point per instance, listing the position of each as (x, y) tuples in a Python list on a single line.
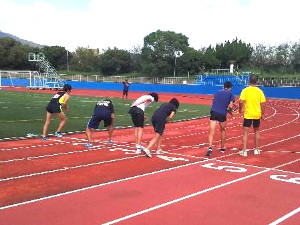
[(138, 117)]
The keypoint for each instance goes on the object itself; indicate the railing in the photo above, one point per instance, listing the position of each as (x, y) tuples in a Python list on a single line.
[(268, 82), (119, 79)]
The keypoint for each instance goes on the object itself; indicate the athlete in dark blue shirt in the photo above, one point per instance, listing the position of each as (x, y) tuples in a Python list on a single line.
[(223, 100), (104, 110), (160, 117), (125, 90)]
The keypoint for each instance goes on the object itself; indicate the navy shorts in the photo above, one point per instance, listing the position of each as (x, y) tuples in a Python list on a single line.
[(137, 116), (158, 124), (53, 108), (95, 120), (217, 116), (125, 92), (249, 122)]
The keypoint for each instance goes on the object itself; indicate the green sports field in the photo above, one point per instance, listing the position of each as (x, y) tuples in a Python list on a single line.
[(23, 113)]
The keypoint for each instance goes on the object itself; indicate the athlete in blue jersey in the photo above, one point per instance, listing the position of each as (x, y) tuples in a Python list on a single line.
[(223, 100), (104, 110), (58, 101), (125, 90)]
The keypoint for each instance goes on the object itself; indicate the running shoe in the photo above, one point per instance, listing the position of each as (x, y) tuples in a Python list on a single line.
[(209, 152), (110, 142), (256, 152), (138, 150), (222, 150), (88, 145), (58, 134), (243, 153), (147, 152), (44, 138)]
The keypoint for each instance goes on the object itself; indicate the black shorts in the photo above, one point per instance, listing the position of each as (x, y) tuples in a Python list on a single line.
[(249, 122), (125, 92), (95, 120), (53, 108), (137, 116), (217, 116), (158, 124)]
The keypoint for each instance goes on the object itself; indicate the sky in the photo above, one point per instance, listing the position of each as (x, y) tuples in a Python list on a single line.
[(123, 24)]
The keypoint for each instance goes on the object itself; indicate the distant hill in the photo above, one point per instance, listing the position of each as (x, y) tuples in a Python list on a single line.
[(2, 35)]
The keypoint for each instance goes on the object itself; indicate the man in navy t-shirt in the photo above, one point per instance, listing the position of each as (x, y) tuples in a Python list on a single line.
[(223, 100), (104, 110), (125, 90)]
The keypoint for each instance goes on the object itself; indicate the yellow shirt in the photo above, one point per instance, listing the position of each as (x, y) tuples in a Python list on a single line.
[(252, 97), (62, 99)]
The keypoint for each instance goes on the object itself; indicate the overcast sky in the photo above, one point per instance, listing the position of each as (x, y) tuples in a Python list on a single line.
[(125, 23)]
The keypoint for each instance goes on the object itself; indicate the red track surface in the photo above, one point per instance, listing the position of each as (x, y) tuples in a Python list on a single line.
[(59, 181)]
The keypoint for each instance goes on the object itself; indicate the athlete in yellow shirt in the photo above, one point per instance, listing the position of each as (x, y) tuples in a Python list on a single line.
[(55, 106), (252, 102)]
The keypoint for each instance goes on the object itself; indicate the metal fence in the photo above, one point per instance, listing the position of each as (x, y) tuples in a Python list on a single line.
[(119, 79), (268, 82)]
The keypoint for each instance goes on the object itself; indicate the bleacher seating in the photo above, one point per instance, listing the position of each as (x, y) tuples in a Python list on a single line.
[(218, 80)]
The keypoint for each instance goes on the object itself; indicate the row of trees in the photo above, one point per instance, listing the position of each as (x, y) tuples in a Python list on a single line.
[(164, 53)]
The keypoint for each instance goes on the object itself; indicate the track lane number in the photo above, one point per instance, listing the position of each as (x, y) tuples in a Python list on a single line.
[(285, 178), (233, 169)]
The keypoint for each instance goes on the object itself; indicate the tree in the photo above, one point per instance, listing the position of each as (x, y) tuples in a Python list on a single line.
[(210, 60), (57, 56), (85, 60), (14, 54), (115, 61), (191, 62), (295, 57), (159, 52), (233, 51)]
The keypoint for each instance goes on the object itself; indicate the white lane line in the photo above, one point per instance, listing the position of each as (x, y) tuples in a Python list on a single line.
[(100, 185), (285, 217), (68, 168), (183, 198)]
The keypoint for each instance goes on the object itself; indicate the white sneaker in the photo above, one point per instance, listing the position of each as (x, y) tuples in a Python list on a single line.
[(58, 134), (256, 152), (147, 152), (243, 153), (138, 150)]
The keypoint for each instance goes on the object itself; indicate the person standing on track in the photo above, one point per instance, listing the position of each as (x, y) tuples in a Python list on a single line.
[(58, 101), (222, 102), (164, 114), (125, 90), (137, 112), (252, 102), (104, 110)]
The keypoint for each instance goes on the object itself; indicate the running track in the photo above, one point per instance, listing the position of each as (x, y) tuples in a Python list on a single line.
[(62, 182)]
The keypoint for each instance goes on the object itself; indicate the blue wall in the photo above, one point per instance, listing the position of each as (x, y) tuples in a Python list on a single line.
[(271, 92)]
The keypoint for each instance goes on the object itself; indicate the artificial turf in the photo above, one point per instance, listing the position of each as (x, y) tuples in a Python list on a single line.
[(23, 113)]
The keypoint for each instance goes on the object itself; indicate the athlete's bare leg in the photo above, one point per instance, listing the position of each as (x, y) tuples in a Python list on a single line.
[(63, 120), (47, 123)]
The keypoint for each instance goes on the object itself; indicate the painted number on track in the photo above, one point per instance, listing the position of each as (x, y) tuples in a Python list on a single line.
[(233, 169), (294, 180), (171, 159)]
